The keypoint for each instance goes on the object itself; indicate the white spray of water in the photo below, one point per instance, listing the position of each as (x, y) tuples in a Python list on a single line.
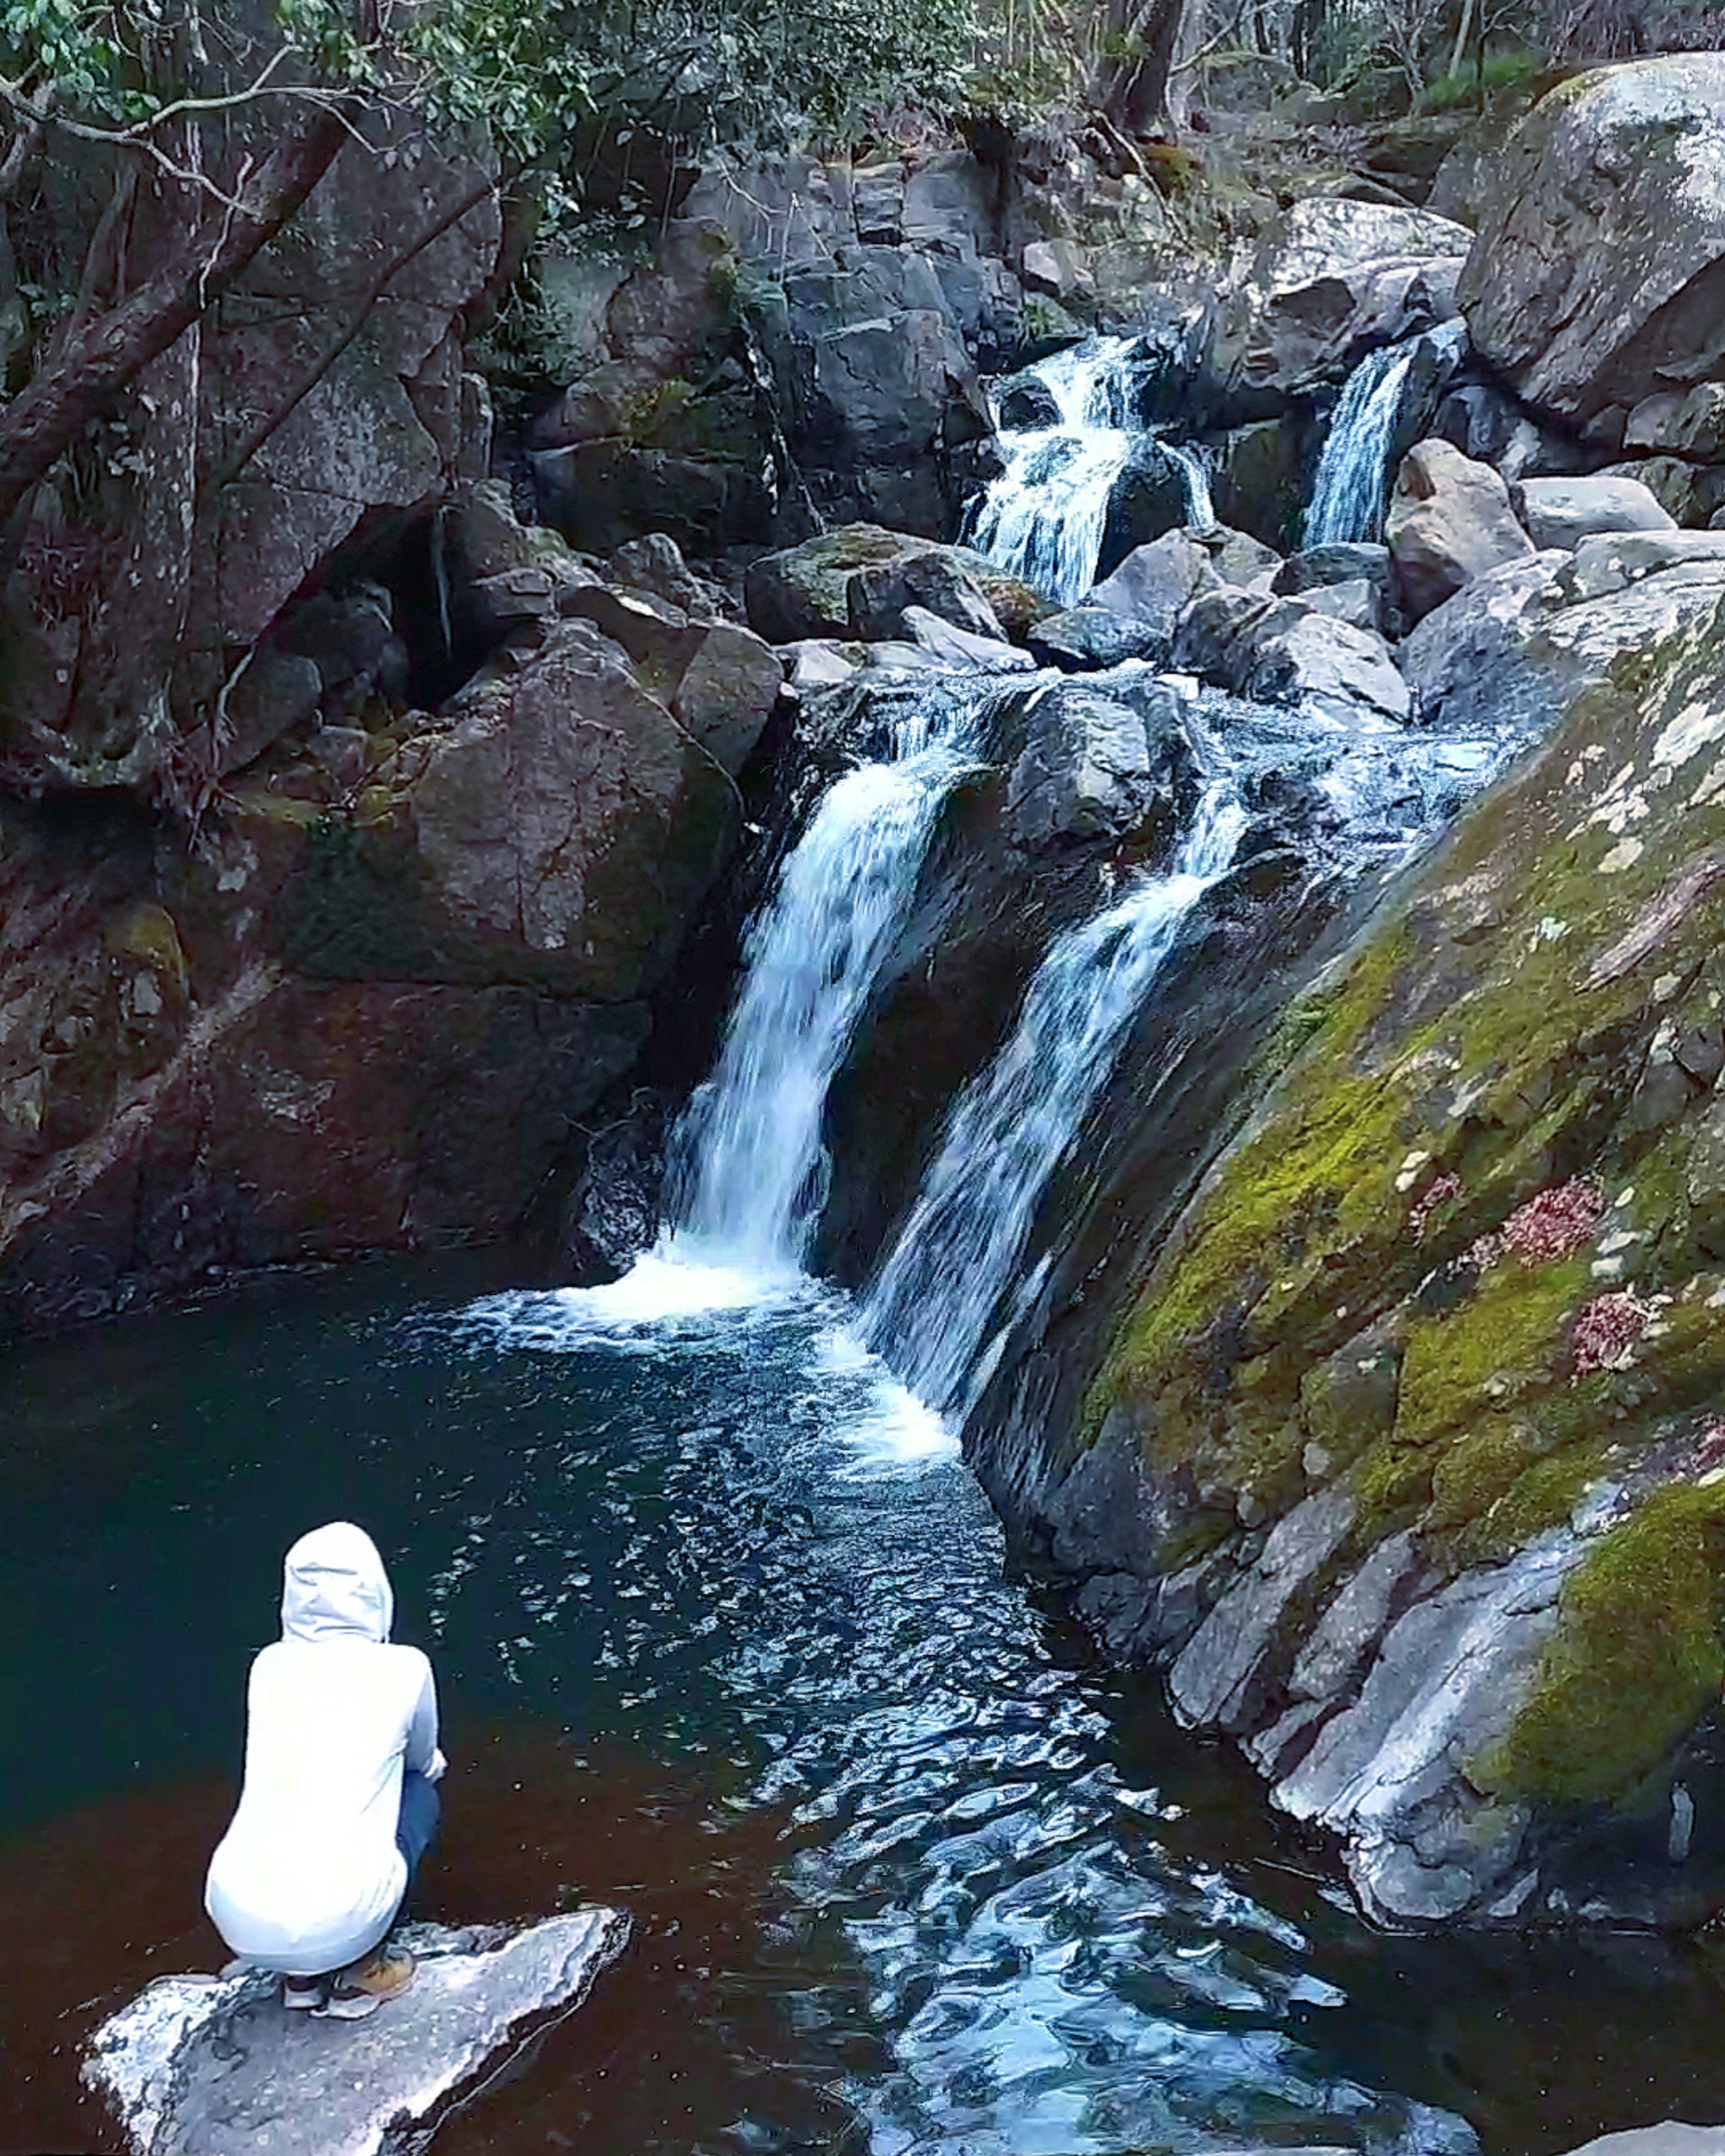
[(1043, 518), (1352, 482)]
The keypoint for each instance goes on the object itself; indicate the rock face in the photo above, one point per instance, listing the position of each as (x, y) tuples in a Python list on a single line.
[(1596, 284), (862, 572), (1332, 280), (1401, 1448), (230, 482), (208, 2066), (363, 1014)]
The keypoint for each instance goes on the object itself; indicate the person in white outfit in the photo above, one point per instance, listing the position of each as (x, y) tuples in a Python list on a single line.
[(338, 1804)]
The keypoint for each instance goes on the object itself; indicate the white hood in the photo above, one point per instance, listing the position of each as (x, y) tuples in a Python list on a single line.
[(334, 1586)]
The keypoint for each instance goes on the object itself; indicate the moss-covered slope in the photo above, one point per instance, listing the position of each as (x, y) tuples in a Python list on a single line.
[(1466, 1266)]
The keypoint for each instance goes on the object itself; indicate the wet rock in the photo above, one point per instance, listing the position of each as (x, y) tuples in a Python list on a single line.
[(1156, 583), (1332, 279), (1562, 512), (1358, 603), (1355, 1621), (1288, 651), (1450, 520), (1087, 772), (961, 648), (1339, 563), (805, 591), (654, 563), (1668, 2138), (878, 594), (1442, 1689), (1688, 423), (1238, 558), (1220, 1674), (813, 663), (1475, 657), (209, 2066), (1092, 636), (1152, 495), (1608, 563), (1595, 282)]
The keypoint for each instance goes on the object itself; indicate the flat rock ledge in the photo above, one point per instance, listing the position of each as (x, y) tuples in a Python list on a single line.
[(201, 2066)]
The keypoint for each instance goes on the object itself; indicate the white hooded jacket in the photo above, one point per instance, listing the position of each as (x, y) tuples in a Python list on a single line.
[(308, 1876)]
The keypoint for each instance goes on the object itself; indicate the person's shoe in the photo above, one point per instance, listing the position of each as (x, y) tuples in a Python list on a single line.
[(302, 1992), (362, 1989)]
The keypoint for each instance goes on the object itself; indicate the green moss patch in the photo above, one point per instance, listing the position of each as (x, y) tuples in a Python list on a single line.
[(1637, 1656)]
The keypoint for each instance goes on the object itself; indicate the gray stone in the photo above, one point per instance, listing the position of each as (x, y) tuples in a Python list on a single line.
[(1704, 1181), (805, 591), (1238, 558), (654, 563), (1090, 636), (1688, 423), (217, 2066), (963, 649), (1340, 562), (1218, 1678), (880, 594), (1085, 771), (1057, 268), (1613, 562), (1156, 583), (1387, 1773), (1595, 281), (819, 662), (1355, 1621), (1472, 659), (1450, 520), (1275, 1751), (1358, 602), (1669, 2138), (1562, 512), (1288, 651)]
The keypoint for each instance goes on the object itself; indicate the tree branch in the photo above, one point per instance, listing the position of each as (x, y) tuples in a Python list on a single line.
[(111, 350)]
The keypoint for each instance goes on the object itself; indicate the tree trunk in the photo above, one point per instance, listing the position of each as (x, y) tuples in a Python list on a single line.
[(1135, 84), (114, 347)]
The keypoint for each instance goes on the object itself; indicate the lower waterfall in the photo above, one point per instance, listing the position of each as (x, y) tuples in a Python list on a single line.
[(929, 1311), (747, 1153)]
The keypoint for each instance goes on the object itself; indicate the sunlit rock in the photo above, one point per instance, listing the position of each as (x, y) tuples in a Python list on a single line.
[(202, 2066)]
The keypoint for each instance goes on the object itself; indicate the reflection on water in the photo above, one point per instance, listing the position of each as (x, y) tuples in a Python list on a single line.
[(725, 1637)]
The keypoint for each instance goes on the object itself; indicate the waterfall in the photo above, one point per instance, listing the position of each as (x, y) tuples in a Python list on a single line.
[(1352, 483), (1043, 518), (749, 1167), (930, 1307), (1200, 509)]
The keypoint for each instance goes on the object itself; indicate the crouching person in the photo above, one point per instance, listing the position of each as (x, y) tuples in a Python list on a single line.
[(338, 1806)]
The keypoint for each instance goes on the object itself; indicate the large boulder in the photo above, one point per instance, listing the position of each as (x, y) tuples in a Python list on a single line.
[(368, 1012), (805, 591), (1398, 1445), (1562, 512), (1289, 651), (1330, 279), (1596, 284), (1450, 520)]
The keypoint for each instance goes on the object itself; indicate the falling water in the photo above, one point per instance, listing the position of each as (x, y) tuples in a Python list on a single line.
[(1200, 509), (1043, 518), (1352, 478), (752, 1166), (929, 1309)]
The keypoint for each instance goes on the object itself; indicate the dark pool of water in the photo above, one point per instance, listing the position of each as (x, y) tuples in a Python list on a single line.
[(725, 1637)]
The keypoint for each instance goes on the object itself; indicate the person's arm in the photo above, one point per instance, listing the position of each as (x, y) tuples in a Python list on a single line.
[(422, 1754)]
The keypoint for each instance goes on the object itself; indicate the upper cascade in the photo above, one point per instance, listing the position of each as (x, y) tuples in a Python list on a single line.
[(1351, 487), (1044, 518)]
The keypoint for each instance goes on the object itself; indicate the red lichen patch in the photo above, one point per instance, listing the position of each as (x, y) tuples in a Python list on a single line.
[(1556, 1222), (1605, 1329)]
